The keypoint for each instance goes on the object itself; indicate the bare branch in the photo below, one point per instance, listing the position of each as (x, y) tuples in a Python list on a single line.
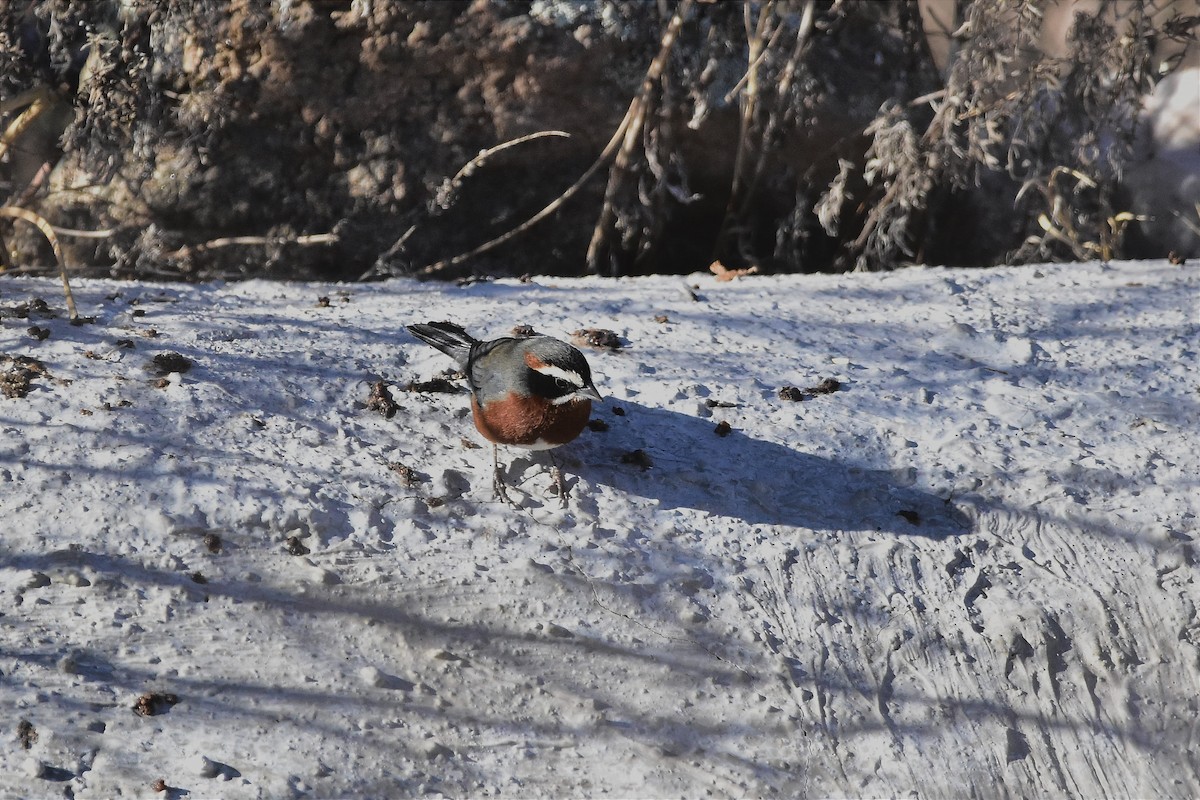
[(626, 135), (228, 241), (634, 119), (474, 164), (446, 263), (38, 221)]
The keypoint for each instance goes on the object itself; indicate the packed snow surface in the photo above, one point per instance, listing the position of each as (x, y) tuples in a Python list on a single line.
[(970, 570)]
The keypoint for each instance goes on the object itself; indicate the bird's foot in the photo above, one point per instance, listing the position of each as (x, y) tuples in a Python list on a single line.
[(500, 489), (560, 485)]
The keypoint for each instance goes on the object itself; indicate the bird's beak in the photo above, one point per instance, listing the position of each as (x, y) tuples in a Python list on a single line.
[(590, 393)]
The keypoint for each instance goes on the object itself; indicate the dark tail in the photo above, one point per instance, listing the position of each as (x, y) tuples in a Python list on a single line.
[(451, 339)]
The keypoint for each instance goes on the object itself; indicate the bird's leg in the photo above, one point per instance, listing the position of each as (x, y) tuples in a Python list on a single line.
[(499, 490), (560, 486)]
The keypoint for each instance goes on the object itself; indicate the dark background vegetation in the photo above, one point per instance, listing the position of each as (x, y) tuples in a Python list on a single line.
[(239, 138)]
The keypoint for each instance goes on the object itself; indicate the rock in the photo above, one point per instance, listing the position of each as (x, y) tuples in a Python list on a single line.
[(75, 578), (373, 676), (436, 750), (204, 767)]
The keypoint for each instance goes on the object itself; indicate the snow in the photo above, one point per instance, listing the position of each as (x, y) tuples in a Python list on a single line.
[(969, 571)]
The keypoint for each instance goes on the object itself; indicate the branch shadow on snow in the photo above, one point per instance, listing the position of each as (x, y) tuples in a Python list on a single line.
[(488, 648), (578, 671), (687, 464)]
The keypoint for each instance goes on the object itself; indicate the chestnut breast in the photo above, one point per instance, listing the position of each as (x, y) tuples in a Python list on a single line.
[(532, 422)]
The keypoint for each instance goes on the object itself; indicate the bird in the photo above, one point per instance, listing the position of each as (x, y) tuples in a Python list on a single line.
[(533, 392)]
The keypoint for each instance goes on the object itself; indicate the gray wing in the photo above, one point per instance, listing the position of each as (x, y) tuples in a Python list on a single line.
[(483, 378)]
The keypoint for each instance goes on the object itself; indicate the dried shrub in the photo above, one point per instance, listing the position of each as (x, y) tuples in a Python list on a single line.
[(1009, 116), (229, 138)]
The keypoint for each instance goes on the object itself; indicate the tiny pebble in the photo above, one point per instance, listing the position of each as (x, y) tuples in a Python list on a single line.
[(372, 676), (558, 631), (435, 750), (205, 767), (74, 578)]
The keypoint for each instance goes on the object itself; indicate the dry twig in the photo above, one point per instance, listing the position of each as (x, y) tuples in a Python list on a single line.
[(446, 198), (445, 263), (469, 168), (228, 241), (37, 100), (633, 123), (625, 135), (38, 221), (782, 96)]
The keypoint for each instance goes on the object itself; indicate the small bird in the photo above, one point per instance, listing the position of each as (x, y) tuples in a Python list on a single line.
[(534, 392)]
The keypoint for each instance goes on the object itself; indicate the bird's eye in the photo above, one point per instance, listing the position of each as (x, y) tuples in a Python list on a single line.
[(563, 384)]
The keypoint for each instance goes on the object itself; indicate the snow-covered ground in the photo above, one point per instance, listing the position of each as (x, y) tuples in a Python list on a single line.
[(971, 571)]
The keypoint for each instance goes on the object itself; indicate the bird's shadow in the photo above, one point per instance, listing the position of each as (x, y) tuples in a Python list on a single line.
[(681, 462)]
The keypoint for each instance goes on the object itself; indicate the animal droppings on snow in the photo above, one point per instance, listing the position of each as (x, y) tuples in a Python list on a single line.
[(154, 703), (637, 458), (597, 339), (794, 395), (26, 734), (296, 547), (170, 362), (17, 381), (407, 476), (381, 401), (435, 385)]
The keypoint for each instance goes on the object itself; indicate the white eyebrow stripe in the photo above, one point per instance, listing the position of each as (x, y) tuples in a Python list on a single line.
[(574, 378)]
